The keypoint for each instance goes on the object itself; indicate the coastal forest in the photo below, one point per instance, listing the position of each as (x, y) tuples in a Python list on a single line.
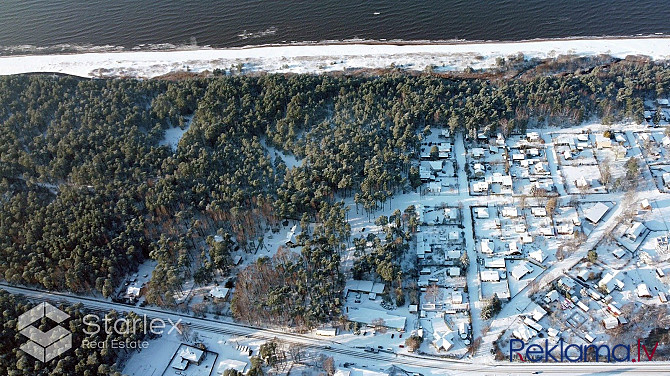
[(81, 360), (89, 190)]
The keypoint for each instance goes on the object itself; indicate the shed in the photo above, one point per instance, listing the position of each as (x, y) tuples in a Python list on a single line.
[(643, 291), (610, 322)]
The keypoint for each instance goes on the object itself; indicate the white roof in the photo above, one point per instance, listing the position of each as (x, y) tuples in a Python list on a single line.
[(643, 290), (441, 342), (482, 212), (636, 229), (538, 313), (237, 365), (567, 281), (490, 276), (494, 262), (290, 237), (538, 255), (618, 253), (501, 289), (532, 324), (539, 212), (179, 363), (510, 211), (481, 186), (487, 246), (596, 212), (546, 231), (191, 354), (219, 292), (524, 333), (521, 270), (513, 247), (453, 254), (645, 203), (552, 295), (581, 182), (365, 286), (610, 322), (133, 291)]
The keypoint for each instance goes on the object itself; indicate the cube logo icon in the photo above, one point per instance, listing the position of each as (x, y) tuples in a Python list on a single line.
[(44, 346)]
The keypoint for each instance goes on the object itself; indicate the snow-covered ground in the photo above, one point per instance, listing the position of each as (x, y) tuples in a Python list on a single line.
[(174, 134), (318, 58)]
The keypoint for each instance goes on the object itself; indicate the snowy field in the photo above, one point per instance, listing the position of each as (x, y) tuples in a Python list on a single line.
[(320, 58)]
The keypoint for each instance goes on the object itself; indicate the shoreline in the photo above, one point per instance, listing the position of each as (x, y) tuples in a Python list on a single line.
[(168, 47), (327, 56)]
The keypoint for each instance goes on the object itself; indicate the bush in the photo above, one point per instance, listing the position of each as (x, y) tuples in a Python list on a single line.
[(413, 342), (492, 308)]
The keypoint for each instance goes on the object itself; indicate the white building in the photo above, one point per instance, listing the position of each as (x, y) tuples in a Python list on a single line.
[(482, 212), (643, 291), (495, 263), (487, 247), (635, 231), (489, 276), (326, 332), (510, 212), (610, 282), (581, 182), (610, 322), (481, 187), (219, 292), (595, 213), (538, 255), (521, 270), (539, 211)]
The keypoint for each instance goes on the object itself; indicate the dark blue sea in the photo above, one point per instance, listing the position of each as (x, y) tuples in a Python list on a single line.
[(48, 25)]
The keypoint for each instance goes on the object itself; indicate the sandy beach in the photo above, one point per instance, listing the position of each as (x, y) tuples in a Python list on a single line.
[(328, 57)]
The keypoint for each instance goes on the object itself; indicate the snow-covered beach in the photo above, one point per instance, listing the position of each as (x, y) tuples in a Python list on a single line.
[(319, 58)]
